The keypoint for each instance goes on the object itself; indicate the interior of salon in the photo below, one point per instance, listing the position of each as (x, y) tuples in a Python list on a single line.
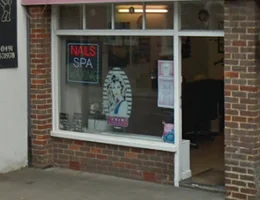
[(128, 78)]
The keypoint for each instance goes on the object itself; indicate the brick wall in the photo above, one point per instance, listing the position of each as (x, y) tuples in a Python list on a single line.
[(40, 85), (242, 106), (133, 163)]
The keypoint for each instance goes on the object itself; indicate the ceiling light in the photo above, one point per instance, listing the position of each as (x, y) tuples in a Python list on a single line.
[(141, 10)]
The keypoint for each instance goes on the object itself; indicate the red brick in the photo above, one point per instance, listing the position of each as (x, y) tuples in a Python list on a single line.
[(248, 88), (78, 142), (91, 155), (74, 165), (119, 164), (239, 119), (43, 107), (148, 176), (43, 96), (149, 152), (39, 142), (130, 166), (233, 188), (231, 87), (239, 43), (43, 152), (238, 195), (102, 157), (227, 93), (42, 137), (231, 74), (227, 118), (96, 150), (231, 49), (48, 126), (130, 155), (74, 147), (38, 81), (43, 116), (38, 71)]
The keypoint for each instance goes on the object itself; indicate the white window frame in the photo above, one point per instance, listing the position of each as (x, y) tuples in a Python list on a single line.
[(124, 140)]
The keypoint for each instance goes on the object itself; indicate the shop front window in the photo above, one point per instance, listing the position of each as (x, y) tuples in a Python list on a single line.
[(109, 84), (126, 16), (115, 67)]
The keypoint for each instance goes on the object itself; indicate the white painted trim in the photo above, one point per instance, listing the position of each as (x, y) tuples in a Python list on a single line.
[(202, 33), (144, 16), (185, 160), (107, 32), (177, 95), (54, 68), (84, 17), (107, 138), (186, 174), (112, 16), (137, 32)]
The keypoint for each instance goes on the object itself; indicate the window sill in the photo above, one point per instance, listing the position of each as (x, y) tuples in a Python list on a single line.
[(145, 142)]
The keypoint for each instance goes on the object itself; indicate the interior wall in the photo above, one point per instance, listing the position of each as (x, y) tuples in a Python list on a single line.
[(13, 105), (197, 63), (204, 54), (215, 71)]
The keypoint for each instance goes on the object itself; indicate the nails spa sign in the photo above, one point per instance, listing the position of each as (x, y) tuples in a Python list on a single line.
[(83, 63)]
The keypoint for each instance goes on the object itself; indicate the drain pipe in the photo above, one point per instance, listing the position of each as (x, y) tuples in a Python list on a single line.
[(28, 89)]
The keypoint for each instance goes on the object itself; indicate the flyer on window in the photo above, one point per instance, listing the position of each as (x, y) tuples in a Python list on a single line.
[(117, 95), (165, 84)]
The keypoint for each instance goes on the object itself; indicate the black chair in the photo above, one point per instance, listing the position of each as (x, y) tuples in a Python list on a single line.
[(200, 103)]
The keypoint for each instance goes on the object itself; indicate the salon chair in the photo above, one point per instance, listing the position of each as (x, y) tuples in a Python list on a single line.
[(200, 104)]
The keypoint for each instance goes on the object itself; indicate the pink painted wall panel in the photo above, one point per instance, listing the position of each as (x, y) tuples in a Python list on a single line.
[(44, 2)]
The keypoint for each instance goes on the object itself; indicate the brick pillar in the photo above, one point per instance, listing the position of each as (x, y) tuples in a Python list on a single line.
[(40, 85), (242, 106)]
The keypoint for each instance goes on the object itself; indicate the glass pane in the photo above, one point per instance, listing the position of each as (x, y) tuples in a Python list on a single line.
[(159, 15), (206, 15), (71, 17), (109, 84), (98, 16), (128, 16)]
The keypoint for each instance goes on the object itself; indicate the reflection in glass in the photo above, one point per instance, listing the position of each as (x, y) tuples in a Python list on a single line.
[(98, 16), (205, 15), (71, 17), (159, 15), (128, 16)]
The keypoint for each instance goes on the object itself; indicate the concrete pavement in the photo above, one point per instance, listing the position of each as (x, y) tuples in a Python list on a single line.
[(63, 184)]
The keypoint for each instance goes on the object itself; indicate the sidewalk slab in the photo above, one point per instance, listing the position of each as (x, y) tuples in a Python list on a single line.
[(64, 184)]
